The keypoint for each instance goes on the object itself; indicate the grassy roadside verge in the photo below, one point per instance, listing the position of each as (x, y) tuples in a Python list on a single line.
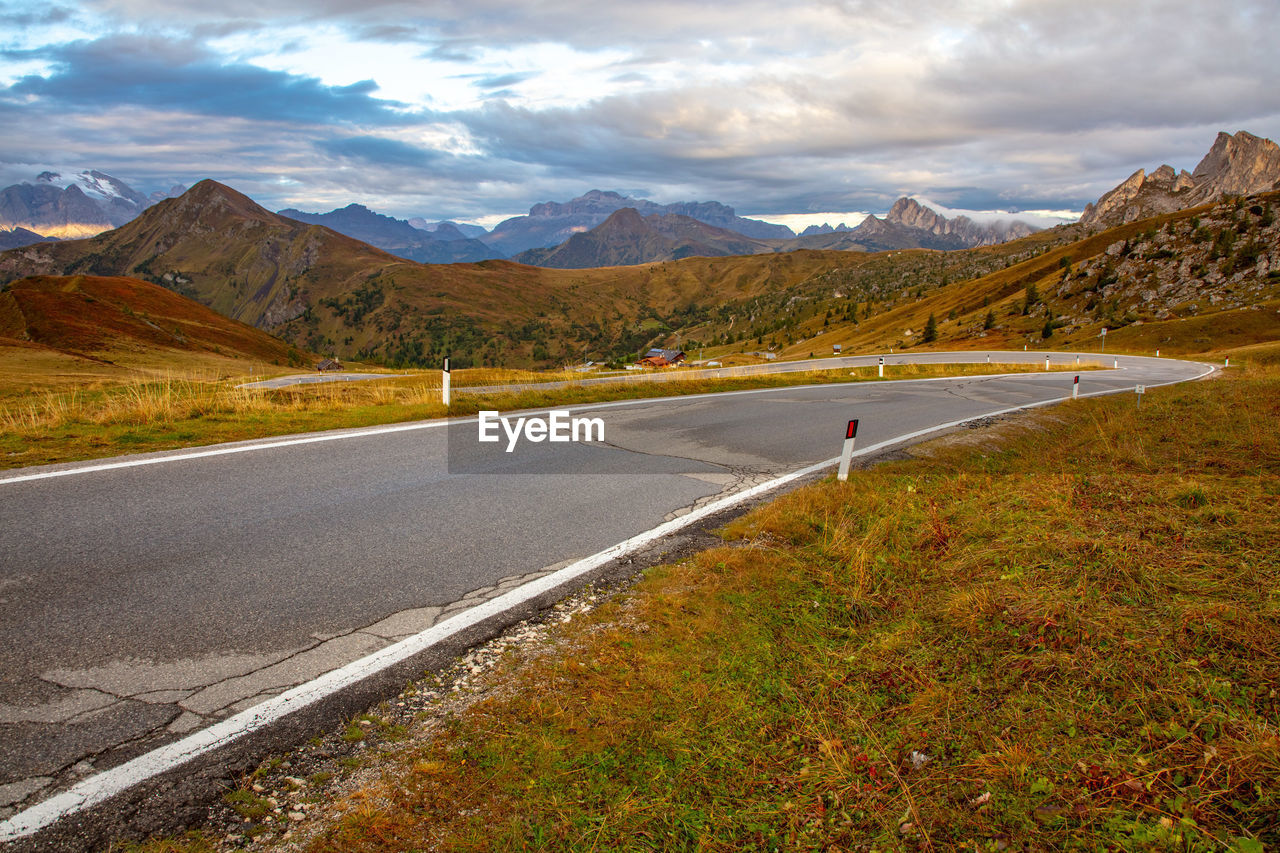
[(166, 414), (1061, 635)]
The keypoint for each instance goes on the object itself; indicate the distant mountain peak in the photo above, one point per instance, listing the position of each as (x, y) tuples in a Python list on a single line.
[(86, 203)]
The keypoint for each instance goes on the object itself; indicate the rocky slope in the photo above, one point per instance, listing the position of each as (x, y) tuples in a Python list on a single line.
[(1222, 258), (1239, 164)]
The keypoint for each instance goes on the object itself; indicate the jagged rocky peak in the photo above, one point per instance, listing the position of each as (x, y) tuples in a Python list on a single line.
[(912, 214), (909, 212), (1237, 164)]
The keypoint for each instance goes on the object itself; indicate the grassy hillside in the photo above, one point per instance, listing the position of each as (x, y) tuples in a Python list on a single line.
[(57, 331), (1196, 281)]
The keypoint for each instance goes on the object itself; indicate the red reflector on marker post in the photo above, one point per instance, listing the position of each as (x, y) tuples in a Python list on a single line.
[(846, 455), (1075, 388)]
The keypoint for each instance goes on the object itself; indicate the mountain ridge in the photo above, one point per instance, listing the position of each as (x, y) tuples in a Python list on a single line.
[(551, 223), (627, 238), (445, 245), (1236, 164)]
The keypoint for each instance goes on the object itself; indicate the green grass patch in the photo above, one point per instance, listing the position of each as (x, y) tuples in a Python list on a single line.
[(1062, 638)]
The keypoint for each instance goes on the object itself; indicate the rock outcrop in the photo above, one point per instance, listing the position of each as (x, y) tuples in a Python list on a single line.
[(1242, 164), (969, 234)]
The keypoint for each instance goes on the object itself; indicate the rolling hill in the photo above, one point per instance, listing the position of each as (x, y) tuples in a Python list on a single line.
[(78, 326)]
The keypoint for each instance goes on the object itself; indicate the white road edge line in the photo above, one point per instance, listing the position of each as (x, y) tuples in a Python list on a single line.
[(98, 788), (339, 435)]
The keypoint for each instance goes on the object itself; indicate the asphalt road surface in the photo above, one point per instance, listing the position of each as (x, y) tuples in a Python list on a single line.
[(140, 604)]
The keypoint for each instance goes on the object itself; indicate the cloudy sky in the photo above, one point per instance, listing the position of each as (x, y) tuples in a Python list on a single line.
[(476, 109)]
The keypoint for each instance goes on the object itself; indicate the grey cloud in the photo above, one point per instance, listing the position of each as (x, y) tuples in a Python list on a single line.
[(165, 73), (378, 151), (24, 16), (448, 52), (503, 81)]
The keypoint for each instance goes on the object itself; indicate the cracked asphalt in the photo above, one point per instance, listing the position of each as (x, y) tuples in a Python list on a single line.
[(140, 604)]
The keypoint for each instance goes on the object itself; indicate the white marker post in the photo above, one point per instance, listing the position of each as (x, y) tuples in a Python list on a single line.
[(1139, 390), (1157, 353), (1115, 362), (881, 367), (846, 455), (1075, 388), (988, 358), (1226, 362), (1046, 362), (1077, 361), (444, 383)]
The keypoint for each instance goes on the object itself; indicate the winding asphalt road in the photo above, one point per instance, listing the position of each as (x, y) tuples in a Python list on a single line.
[(146, 598)]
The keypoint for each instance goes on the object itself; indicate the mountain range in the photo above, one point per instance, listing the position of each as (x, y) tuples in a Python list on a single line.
[(443, 244), (327, 292), (628, 237), (551, 223)]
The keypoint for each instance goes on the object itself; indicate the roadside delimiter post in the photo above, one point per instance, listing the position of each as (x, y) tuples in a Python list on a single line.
[(881, 366), (846, 455), (444, 383)]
